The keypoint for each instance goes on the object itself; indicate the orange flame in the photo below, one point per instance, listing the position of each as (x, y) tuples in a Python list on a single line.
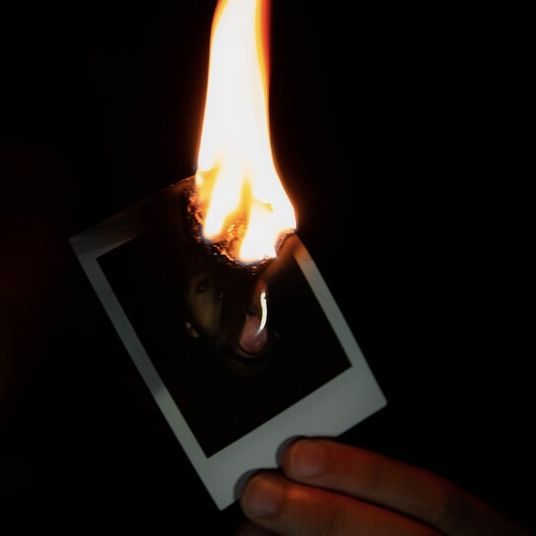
[(239, 194)]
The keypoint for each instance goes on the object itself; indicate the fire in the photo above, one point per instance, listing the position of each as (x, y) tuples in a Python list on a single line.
[(240, 196)]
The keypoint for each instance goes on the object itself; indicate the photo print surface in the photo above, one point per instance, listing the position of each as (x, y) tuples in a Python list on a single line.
[(223, 396)]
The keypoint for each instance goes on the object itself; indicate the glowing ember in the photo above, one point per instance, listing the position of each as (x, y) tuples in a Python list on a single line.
[(241, 200)]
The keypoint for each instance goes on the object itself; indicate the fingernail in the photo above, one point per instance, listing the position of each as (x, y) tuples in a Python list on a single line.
[(308, 458), (263, 497)]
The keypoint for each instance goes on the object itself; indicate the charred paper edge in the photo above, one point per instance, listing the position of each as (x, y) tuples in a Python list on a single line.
[(330, 410)]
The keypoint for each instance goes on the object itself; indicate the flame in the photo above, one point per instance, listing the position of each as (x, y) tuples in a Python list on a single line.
[(239, 194)]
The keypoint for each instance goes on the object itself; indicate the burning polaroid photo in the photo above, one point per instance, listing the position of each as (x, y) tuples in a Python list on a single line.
[(238, 360), (217, 301)]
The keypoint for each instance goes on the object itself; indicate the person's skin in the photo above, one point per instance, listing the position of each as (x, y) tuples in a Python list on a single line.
[(329, 489)]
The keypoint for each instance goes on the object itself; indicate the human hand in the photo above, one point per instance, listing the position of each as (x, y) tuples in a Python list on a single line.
[(331, 489)]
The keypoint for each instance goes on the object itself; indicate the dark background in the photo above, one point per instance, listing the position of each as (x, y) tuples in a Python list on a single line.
[(400, 135)]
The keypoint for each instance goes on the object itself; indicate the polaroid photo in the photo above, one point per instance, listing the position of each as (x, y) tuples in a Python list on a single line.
[(231, 413)]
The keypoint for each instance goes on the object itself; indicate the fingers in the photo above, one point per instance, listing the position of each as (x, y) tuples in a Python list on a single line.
[(368, 476), (288, 508), (391, 484)]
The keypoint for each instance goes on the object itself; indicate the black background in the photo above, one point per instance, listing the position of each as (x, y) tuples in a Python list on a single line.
[(400, 135)]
